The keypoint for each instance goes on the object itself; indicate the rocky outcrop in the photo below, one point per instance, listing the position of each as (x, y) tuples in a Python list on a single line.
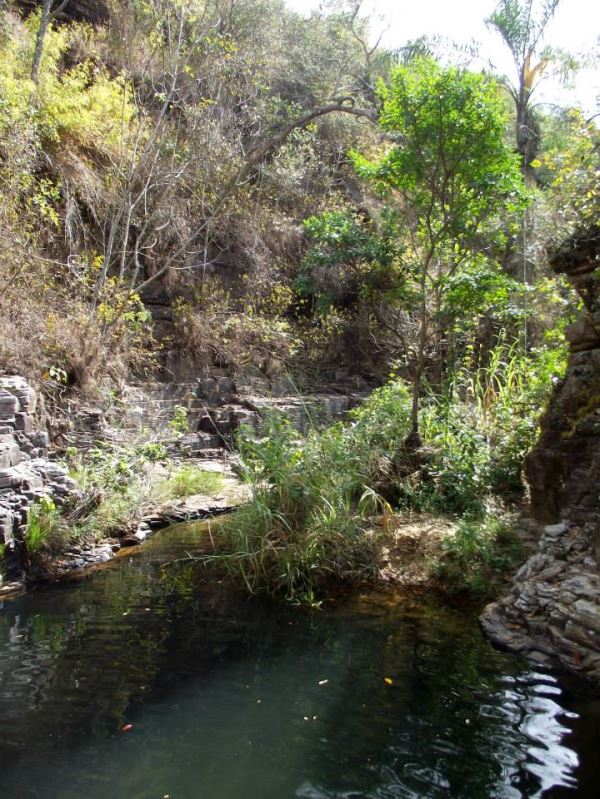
[(26, 473), (94, 12), (553, 607), (208, 412), (552, 612)]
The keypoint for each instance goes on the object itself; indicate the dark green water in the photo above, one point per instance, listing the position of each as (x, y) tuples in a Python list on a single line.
[(228, 699)]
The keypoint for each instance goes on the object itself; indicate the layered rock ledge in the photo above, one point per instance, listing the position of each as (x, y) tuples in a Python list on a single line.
[(552, 611), (27, 475)]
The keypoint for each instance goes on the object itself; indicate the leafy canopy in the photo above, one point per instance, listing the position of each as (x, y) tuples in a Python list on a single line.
[(522, 24), (349, 259), (449, 163)]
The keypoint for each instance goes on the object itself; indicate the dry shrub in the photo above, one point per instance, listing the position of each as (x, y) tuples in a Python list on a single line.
[(50, 337), (217, 330)]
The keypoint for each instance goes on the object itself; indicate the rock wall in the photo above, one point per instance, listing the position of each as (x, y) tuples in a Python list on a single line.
[(552, 611), (214, 408), (26, 473)]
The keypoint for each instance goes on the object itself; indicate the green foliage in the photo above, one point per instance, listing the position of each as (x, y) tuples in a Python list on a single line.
[(451, 164), (454, 185), (309, 517), (100, 186), (479, 556), (118, 511), (113, 467), (180, 422), (483, 426), (520, 26), (568, 172), (46, 530), (186, 480), (153, 450), (481, 289), (130, 483), (348, 258), (306, 521), (84, 106)]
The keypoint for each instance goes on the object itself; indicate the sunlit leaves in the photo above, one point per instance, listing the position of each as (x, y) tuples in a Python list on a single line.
[(84, 106), (450, 163)]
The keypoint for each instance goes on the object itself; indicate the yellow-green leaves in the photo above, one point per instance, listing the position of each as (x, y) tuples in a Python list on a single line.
[(83, 107)]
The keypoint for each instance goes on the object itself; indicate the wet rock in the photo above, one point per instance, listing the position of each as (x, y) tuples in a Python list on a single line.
[(11, 589), (129, 540), (554, 530)]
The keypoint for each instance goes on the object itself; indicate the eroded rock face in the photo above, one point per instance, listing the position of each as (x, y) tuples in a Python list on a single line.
[(553, 608), (26, 473), (563, 470), (552, 612)]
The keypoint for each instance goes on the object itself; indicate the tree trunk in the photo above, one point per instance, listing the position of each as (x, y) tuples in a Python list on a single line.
[(420, 366), (47, 16), (39, 41)]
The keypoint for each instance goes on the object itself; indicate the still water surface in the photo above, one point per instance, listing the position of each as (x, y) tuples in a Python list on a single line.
[(231, 698)]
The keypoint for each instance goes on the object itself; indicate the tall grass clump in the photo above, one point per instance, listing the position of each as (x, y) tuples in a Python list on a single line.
[(46, 529), (131, 480), (477, 557), (317, 502), (312, 500), (481, 427), (186, 480)]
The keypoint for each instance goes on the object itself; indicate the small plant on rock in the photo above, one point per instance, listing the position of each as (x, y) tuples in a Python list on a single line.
[(46, 530)]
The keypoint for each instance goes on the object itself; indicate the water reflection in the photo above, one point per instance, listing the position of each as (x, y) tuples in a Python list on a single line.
[(232, 698)]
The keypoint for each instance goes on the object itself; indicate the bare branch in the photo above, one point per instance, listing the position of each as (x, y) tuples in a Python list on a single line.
[(255, 157)]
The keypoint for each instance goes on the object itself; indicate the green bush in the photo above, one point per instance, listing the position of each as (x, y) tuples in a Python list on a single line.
[(82, 106), (307, 521), (129, 484), (483, 426), (479, 556), (46, 530), (309, 516)]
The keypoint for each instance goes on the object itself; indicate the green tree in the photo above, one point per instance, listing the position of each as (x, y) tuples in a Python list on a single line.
[(451, 177), (350, 259), (568, 171), (523, 31)]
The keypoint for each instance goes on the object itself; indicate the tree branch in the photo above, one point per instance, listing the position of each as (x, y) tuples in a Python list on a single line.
[(254, 158)]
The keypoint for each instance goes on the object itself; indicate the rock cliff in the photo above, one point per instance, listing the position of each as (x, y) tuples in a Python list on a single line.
[(26, 473), (552, 611)]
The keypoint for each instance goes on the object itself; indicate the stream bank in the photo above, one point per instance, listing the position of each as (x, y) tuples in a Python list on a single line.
[(30, 477)]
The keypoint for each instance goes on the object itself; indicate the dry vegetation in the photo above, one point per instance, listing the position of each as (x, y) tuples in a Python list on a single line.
[(141, 161)]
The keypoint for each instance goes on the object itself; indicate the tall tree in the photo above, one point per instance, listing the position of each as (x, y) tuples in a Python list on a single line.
[(522, 30), (450, 175)]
